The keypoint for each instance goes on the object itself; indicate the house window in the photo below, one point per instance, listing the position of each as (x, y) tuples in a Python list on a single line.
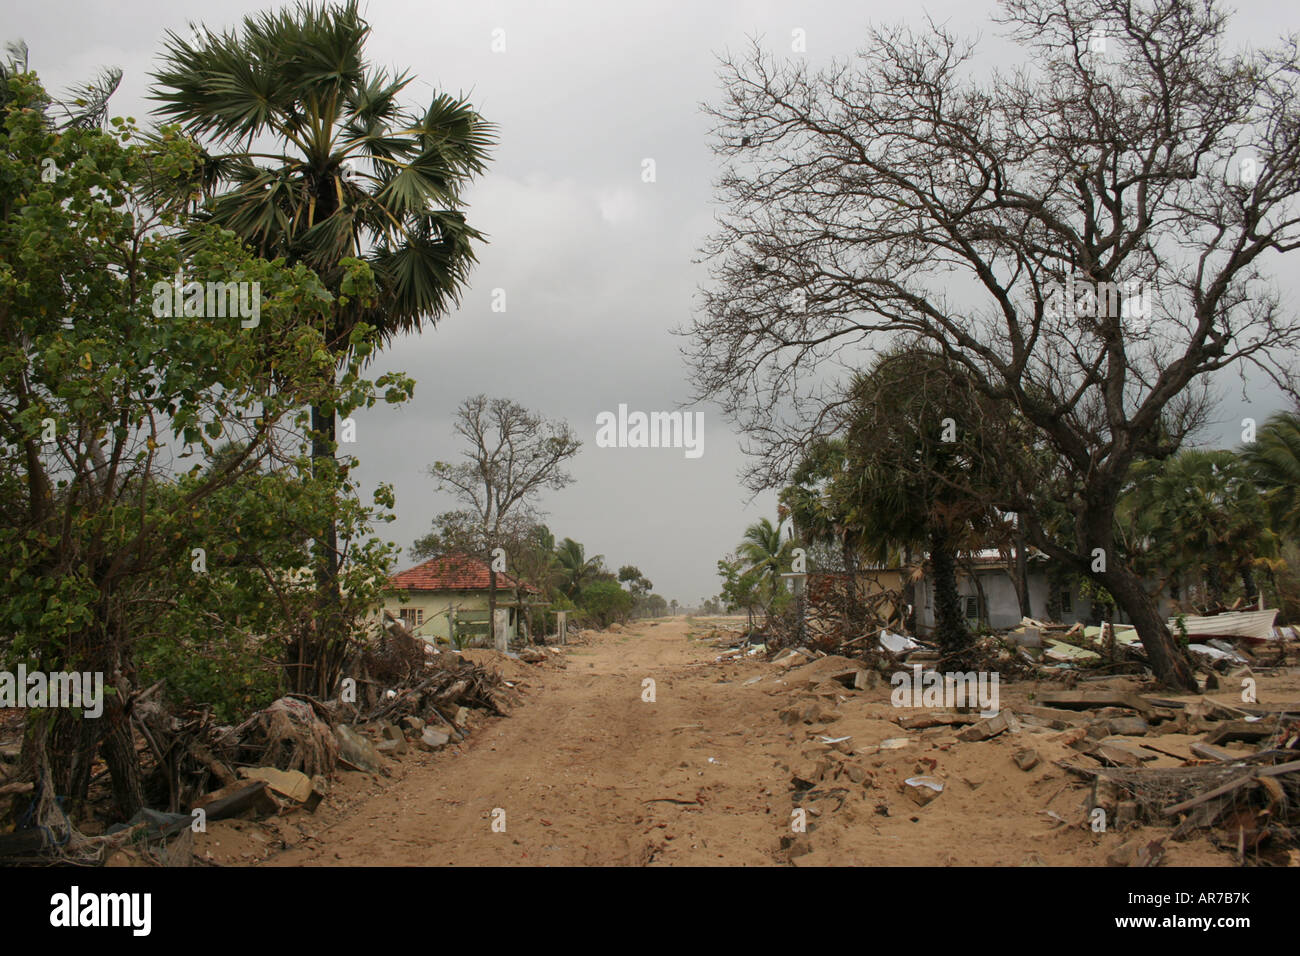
[(972, 608), (412, 617), (1067, 603)]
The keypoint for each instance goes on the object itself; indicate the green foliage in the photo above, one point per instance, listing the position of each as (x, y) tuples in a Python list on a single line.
[(740, 587), (576, 571), (767, 554), (604, 603), (1273, 461), (1198, 514), (138, 438), (312, 154), (232, 675)]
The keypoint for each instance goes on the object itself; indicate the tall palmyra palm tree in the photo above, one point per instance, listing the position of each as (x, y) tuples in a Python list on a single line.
[(312, 155), (1274, 461)]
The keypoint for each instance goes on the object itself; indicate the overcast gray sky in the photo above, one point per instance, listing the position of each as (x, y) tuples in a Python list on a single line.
[(596, 264)]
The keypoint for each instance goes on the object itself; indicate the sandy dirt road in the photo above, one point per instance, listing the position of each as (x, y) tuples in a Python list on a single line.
[(588, 773)]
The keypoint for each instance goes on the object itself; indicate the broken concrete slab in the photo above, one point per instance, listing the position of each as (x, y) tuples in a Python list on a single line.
[(356, 749), (431, 739), (1003, 721), (934, 719), (1210, 752), (1057, 718), (794, 657), (1026, 759), (1128, 726), (922, 790), (1089, 699), (412, 723)]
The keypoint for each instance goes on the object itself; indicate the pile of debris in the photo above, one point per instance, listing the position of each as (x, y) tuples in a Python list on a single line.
[(451, 683), (837, 609), (281, 758), (1187, 764)]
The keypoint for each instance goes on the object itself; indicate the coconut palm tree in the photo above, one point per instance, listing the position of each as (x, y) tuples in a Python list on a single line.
[(766, 552), (576, 569), (312, 154)]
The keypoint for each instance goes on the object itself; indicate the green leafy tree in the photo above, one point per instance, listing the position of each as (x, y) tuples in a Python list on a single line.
[(84, 107), (740, 587), (103, 402), (914, 469), (605, 602)]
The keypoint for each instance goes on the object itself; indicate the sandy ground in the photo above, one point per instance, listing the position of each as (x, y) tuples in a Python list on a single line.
[(586, 772)]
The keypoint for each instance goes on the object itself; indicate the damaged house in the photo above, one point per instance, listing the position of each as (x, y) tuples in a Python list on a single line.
[(986, 583)]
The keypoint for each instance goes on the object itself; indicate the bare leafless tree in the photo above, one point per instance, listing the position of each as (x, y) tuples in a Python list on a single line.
[(511, 456), (1085, 235)]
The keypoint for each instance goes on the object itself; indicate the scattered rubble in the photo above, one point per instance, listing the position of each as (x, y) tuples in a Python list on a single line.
[(1161, 769)]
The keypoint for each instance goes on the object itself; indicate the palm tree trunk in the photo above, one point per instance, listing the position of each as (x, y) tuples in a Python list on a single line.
[(1213, 584), (907, 613), (950, 625), (1248, 586)]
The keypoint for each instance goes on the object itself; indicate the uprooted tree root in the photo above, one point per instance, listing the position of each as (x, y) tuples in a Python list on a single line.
[(289, 735)]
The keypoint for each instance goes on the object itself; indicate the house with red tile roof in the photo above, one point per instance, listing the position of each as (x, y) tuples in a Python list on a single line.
[(446, 599)]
